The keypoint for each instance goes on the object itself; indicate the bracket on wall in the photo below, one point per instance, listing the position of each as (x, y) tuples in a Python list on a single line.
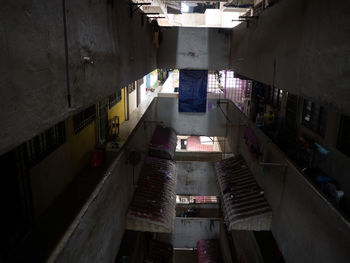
[(246, 19), (157, 17), (145, 14), (138, 5)]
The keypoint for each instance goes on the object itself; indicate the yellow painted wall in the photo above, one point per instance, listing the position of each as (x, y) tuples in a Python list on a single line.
[(50, 176), (55, 172), (81, 144), (118, 109)]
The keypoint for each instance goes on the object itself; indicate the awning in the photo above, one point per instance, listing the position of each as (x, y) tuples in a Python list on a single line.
[(163, 143), (243, 202), (153, 206)]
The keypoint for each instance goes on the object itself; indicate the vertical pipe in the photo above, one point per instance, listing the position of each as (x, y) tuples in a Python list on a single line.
[(225, 72), (66, 52)]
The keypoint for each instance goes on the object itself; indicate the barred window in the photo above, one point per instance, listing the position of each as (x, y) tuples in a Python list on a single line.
[(84, 118), (344, 135), (314, 117), (45, 143), (115, 98), (275, 97)]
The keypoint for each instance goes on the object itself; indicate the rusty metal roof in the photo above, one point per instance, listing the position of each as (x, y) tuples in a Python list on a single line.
[(243, 201), (153, 206)]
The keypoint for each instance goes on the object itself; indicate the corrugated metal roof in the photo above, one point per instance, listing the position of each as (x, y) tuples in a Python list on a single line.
[(153, 206), (243, 202)]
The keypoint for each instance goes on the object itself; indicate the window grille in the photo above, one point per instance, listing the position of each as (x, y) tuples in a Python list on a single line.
[(84, 118), (213, 83), (45, 143), (114, 98), (314, 117)]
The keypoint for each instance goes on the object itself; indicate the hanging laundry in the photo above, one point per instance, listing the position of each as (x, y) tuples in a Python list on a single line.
[(193, 90)]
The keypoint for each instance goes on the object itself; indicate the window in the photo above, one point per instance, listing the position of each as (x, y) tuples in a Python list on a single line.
[(194, 199), (314, 117), (84, 118), (45, 143), (115, 98), (275, 97), (213, 82), (344, 135)]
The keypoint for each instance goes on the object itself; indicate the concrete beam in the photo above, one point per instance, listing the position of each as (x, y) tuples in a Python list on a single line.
[(194, 48)]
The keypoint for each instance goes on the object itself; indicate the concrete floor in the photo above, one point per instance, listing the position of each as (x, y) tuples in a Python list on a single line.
[(196, 178)]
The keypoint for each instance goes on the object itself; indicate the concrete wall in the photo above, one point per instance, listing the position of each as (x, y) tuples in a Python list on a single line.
[(96, 234), (187, 231), (132, 101), (307, 41), (304, 224), (210, 123), (49, 178), (246, 247), (119, 46), (34, 93), (194, 48)]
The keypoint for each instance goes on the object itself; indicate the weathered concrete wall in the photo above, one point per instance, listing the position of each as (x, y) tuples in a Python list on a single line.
[(97, 232), (119, 47), (307, 41), (210, 123), (246, 247), (194, 48), (188, 231), (305, 225), (32, 69), (34, 94), (196, 178), (49, 177)]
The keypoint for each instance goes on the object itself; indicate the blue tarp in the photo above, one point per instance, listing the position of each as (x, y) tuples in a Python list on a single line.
[(193, 90)]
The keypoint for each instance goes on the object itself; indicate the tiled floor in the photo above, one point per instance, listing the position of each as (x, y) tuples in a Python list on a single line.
[(194, 144)]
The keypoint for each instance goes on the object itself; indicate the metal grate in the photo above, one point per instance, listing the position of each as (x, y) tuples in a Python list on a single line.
[(314, 117), (84, 118), (115, 98), (45, 143), (214, 82)]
